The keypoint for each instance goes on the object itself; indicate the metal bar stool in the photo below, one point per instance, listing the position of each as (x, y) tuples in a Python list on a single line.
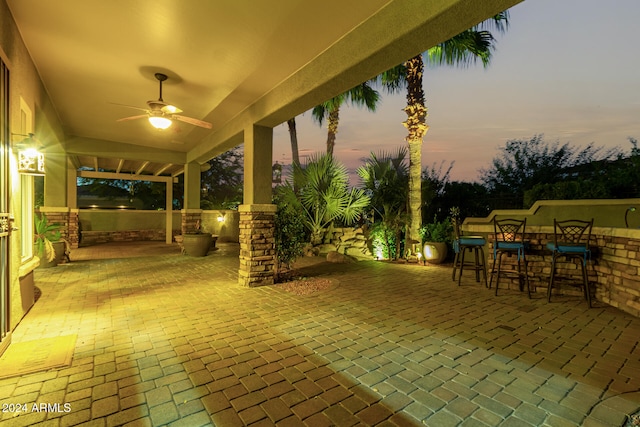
[(571, 240), (509, 239), (463, 244)]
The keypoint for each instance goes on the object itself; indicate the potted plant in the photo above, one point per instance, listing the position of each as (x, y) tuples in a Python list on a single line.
[(196, 243), (49, 246), (435, 238)]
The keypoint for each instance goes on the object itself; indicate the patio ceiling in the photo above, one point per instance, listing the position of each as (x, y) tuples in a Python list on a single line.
[(229, 62)]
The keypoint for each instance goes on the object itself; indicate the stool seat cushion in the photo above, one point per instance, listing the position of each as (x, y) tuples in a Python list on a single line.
[(510, 246), (472, 240)]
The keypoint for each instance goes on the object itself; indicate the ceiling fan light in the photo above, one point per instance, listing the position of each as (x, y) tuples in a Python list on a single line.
[(159, 122)]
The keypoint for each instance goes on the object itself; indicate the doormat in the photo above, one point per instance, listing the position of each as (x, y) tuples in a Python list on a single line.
[(37, 355)]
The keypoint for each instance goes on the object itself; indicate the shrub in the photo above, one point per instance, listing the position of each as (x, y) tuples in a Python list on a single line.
[(383, 240), (290, 235), (437, 231)]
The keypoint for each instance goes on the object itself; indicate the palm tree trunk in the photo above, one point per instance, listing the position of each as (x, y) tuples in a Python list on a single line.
[(293, 136), (416, 126), (332, 129)]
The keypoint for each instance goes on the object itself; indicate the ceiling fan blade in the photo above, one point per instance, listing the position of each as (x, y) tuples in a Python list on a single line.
[(193, 121), (128, 106), (124, 119)]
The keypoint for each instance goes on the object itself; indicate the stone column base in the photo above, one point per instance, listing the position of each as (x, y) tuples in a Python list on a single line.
[(189, 219), (68, 221), (257, 245)]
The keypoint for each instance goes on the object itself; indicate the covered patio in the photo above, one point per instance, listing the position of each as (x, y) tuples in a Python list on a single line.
[(387, 344)]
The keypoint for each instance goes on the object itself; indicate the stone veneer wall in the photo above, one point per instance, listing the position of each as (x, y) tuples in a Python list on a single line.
[(94, 237), (349, 241), (257, 245), (190, 218), (614, 269)]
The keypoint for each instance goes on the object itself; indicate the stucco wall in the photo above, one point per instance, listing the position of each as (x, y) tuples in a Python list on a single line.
[(105, 225), (25, 84)]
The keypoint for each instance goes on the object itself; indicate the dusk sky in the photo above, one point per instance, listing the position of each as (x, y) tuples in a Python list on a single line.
[(568, 69)]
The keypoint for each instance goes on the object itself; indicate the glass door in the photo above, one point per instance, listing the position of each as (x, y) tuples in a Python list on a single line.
[(5, 222)]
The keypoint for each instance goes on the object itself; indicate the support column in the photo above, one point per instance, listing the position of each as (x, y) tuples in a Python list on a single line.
[(73, 230), (257, 214), (257, 245), (61, 216), (189, 219), (55, 179), (191, 186), (258, 155), (169, 210), (56, 197)]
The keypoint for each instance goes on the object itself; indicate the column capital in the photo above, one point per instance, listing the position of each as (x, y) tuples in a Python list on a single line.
[(258, 207)]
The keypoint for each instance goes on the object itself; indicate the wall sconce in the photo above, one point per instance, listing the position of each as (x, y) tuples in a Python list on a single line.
[(30, 159), (221, 218)]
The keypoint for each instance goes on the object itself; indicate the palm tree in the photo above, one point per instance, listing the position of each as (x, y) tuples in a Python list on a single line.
[(324, 194), (461, 50), (293, 136), (385, 179), (361, 95)]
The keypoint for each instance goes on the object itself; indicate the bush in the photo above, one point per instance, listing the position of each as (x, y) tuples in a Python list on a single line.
[(290, 235), (437, 231), (383, 240)]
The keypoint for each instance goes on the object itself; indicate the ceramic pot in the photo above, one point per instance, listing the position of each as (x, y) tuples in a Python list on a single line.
[(196, 244), (435, 252)]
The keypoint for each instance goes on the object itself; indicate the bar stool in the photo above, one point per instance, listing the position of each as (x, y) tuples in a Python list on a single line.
[(463, 244), (509, 239), (571, 240)]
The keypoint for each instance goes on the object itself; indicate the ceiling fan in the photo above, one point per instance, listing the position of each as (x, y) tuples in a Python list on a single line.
[(161, 114)]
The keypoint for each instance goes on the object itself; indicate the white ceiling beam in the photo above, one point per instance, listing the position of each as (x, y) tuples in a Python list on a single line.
[(178, 172), (95, 164), (125, 176), (120, 164), (118, 150), (163, 168), (141, 168)]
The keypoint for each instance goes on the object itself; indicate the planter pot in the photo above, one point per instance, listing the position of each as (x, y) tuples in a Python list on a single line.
[(59, 248), (435, 252), (196, 244)]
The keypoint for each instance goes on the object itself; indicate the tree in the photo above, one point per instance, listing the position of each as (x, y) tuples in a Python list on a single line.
[(385, 180), (434, 182), (222, 183), (293, 136), (323, 194), (361, 95), (461, 50), (524, 163)]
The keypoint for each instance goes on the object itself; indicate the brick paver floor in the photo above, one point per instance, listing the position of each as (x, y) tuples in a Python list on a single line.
[(167, 339)]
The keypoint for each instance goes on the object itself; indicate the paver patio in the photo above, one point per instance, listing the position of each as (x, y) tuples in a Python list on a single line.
[(166, 339)]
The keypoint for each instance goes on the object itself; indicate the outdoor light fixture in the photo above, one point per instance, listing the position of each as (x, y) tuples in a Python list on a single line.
[(30, 159), (626, 215), (221, 218), (160, 122)]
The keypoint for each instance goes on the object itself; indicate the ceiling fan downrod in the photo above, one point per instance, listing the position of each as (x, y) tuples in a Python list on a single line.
[(161, 77)]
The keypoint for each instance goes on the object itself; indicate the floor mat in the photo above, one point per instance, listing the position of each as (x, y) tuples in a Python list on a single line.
[(37, 355)]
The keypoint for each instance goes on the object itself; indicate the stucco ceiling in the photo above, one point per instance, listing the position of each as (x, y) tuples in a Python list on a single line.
[(229, 62)]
